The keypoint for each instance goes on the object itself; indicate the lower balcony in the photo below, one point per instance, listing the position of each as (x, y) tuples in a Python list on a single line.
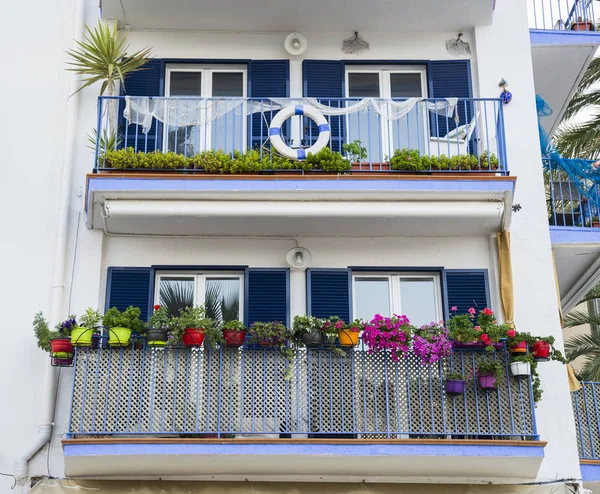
[(253, 413), (586, 403)]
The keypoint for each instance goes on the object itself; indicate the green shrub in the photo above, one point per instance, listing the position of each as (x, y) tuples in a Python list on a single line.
[(328, 161), (407, 160), (122, 159), (489, 161)]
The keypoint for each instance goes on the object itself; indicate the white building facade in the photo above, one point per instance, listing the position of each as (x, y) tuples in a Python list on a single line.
[(374, 240)]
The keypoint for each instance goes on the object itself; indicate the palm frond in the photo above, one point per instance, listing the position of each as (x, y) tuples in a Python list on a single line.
[(102, 56), (591, 370), (107, 141), (583, 345), (212, 301), (581, 101), (579, 139), (593, 294), (176, 295), (222, 300), (579, 318)]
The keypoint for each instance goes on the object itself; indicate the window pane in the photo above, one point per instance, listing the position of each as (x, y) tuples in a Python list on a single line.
[(371, 296), (186, 84), (222, 299), (228, 84), (176, 293), (405, 85), (363, 85), (418, 300)]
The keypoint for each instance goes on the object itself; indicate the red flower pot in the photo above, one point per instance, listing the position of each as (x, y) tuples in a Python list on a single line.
[(541, 350), (193, 337), (61, 347), (520, 347), (234, 338)]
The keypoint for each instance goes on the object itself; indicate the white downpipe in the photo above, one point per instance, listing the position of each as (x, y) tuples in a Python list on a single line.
[(58, 277), (303, 209)]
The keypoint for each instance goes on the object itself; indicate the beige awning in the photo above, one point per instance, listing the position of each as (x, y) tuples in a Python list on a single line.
[(54, 486)]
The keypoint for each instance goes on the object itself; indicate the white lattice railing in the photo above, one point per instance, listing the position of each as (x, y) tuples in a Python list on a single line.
[(317, 392)]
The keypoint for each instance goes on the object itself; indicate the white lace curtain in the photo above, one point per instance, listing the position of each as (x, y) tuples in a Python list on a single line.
[(182, 112)]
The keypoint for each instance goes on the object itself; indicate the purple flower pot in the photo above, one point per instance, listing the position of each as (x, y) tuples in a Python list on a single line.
[(487, 382), (455, 387)]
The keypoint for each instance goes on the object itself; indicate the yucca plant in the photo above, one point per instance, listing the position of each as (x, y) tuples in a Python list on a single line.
[(102, 57)]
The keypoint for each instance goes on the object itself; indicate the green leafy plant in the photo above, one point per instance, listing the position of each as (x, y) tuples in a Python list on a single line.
[(102, 57), (407, 160), (90, 319), (43, 333), (554, 354), (488, 161), (455, 376), (194, 317), (233, 325), (129, 318), (329, 161), (306, 324), (355, 151), (490, 368), (107, 142), (160, 318), (461, 327)]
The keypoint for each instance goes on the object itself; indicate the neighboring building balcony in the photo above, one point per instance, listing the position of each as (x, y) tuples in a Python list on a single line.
[(400, 151), (563, 15), (586, 402), (247, 412)]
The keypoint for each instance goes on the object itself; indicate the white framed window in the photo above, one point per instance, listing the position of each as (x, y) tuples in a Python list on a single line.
[(380, 136), (416, 295), (220, 292), (218, 128)]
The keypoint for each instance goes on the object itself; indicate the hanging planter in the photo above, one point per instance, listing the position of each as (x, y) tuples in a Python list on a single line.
[(312, 339), (118, 337), (520, 369), (121, 324), (541, 351), (81, 336), (193, 337), (234, 333), (488, 374), (455, 384), (156, 337), (520, 347), (348, 339), (61, 348), (487, 382)]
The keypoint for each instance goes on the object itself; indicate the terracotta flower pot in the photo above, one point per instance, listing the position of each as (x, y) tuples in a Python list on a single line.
[(234, 338), (193, 337), (582, 26), (520, 347), (541, 351)]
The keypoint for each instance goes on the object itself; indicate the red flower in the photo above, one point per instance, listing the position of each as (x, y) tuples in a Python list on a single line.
[(511, 333), (487, 312), (156, 307), (485, 338)]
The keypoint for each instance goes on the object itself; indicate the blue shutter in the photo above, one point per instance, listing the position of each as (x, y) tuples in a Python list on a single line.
[(266, 79), (466, 289), (129, 286), (267, 295), (328, 293), (324, 79), (146, 82), (450, 79)]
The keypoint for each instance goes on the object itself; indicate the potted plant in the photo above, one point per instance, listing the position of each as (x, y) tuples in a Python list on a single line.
[(349, 333), (431, 342), (192, 326), (388, 333), (543, 350), (461, 328), (58, 342), (121, 324), (489, 331), (488, 374), (517, 342), (158, 327), (455, 383), (82, 334), (309, 331), (520, 366), (234, 333), (582, 25)]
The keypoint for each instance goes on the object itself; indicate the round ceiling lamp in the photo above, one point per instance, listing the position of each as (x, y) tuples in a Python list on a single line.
[(298, 258), (295, 43)]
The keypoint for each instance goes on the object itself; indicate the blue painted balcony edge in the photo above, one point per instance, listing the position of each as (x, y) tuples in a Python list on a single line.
[(590, 472), (533, 449), (549, 37), (574, 235)]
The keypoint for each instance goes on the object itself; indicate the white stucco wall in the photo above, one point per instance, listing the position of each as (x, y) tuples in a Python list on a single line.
[(30, 191)]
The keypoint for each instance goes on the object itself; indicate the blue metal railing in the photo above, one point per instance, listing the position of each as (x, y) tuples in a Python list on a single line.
[(571, 204), (317, 392), (562, 15), (474, 130), (587, 420)]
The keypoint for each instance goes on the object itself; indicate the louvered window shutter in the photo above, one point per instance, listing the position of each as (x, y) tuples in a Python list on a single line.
[(328, 293), (324, 79), (129, 286), (146, 82), (267, 295), (266, 79), (466, 289), (451, 79)]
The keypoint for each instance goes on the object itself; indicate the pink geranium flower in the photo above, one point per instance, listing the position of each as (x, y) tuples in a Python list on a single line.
[(455, 308), (472, 311), (487, 312), (511, 333), (477, 328)]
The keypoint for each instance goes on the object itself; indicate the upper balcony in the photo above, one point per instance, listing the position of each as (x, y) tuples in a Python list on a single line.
[(309, 16), (387, 155), (246, 413)]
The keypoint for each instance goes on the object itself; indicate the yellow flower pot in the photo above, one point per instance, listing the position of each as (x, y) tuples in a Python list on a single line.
[(119, 336), (81, 336), (348, 339)]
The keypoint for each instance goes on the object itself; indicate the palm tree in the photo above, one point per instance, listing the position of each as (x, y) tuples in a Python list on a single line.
[(102, 57), (582, 140), (586, 345)]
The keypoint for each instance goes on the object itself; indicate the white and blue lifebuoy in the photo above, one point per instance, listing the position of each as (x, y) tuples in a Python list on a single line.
[(289, 111)]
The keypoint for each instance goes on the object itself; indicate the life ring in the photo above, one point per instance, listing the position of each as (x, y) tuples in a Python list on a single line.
[(289, 111)]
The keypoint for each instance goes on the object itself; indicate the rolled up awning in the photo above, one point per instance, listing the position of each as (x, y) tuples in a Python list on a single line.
[(67, 486)]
